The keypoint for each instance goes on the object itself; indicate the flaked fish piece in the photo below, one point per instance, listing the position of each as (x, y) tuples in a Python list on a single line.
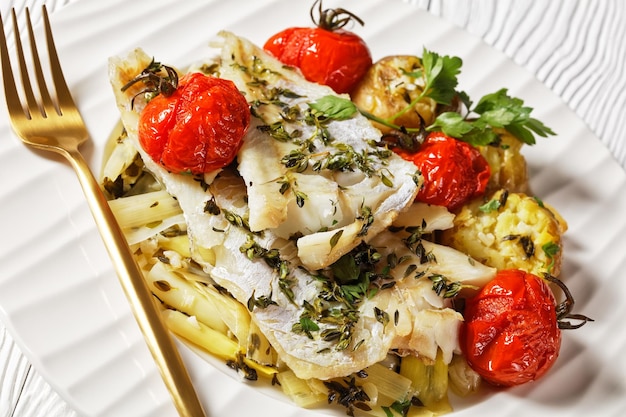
[(315, 176), (264, 270)]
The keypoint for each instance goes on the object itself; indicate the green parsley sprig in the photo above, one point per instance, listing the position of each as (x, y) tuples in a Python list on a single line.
[(440, 77), (439, 74), (477, 124), (493, 111)]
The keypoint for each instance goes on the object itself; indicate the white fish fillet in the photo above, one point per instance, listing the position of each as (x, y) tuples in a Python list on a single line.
[(408, 316), (335, 197)]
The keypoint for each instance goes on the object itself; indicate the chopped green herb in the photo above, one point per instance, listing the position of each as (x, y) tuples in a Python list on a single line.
[(334, 107), (445, 288), (263, 301), (367, 218), (335, 238), (306, 326), (381, 316), (490, 206), (550, 249), (399, 407), (211, 207), (440, 74), (494, 111)]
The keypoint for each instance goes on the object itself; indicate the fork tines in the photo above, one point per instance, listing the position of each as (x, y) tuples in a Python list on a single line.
[(47, 105)]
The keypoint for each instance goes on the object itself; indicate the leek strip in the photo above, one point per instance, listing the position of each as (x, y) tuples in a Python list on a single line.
[(143, 209), (118, 158), (139, 234), (299, 390), (424, 215), (264, 370), (183, 296), (463, 380), (233, 313), (179, 244), (259, 348), (429, 381), (214, 342), (391, 386)]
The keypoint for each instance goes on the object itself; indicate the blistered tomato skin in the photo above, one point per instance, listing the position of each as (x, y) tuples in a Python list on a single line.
[(454, 172), (336, 58), (510, 335), (197, 129)]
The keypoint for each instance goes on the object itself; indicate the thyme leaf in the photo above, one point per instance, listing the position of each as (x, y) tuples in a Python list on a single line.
[(288, 183), (277, 131), (236, 219), (240, 365), (495, 204), (381, 316), (335, 238), (263, 301), (211, 207), (367, 218), (348, 394), (272, 258), (445, 288)]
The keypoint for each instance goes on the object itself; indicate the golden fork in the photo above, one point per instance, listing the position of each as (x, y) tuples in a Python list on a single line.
[(59, 127)]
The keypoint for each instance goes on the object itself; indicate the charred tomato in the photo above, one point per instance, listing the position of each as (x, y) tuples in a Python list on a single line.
[(454, 171), (198, 127), (326, 54), (511, 332)]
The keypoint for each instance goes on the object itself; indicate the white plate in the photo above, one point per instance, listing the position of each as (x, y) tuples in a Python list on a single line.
[(60, 298)]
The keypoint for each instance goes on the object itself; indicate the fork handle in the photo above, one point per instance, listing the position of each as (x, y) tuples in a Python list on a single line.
[(143, 305)]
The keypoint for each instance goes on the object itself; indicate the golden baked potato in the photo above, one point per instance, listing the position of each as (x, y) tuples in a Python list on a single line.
[(509, 230), (388, 88), (508, 165)]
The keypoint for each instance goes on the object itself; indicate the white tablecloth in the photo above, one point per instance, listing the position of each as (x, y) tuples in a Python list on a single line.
[(576, 48)]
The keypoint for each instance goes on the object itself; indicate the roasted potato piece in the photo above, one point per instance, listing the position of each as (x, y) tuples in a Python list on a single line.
[(509, 230), (389, 86), (508, 165)]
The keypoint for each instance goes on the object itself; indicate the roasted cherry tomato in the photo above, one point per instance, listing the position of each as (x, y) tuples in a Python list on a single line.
[(453, 171), (196, 129), (511, 332), (326, 54)]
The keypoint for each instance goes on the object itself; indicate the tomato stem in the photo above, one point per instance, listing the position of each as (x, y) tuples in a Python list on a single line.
[(406, 139), (155, 80), (332, 19), (564, 309)]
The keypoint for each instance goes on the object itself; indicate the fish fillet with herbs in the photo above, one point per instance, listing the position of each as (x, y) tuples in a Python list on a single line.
[(299, 230)]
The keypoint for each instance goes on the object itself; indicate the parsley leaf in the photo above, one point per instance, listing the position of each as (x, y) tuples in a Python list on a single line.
[(345, 269), (494, 111), (440, 74), (452, 124), (490, 206), (501, 110), (551, 249), (306, 326), (333, 107), (476, 125)]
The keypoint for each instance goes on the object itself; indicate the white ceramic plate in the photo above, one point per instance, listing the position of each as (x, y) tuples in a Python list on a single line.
[(60, 298)]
